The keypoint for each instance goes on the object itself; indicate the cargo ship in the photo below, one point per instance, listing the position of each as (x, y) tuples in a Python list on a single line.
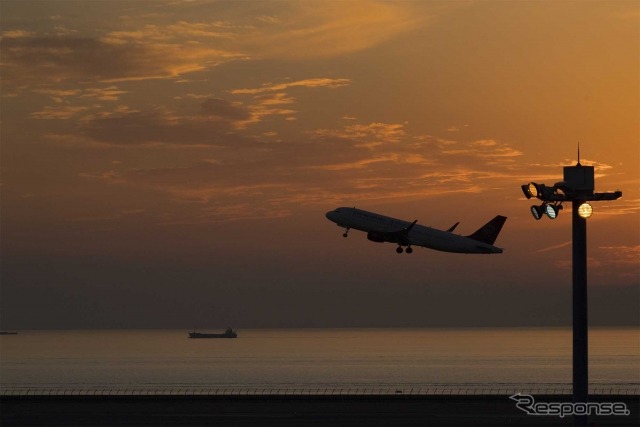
[(229, 333)]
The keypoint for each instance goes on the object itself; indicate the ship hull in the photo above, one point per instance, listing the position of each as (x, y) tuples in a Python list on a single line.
[(199, 335)]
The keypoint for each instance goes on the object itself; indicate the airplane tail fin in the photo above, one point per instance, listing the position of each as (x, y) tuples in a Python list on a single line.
[(488, 233)]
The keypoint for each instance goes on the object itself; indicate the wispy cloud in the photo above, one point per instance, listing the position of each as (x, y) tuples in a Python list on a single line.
[(269, 99), (358, 164), (553, 248), (16, 34), (171, 32), (308, 83), (111, 93), (169, 50), (325, 29), (612, 264), (33, 59), (486, 148), (619, 207), (627, 255), (211, 126), (270, 148), (59, 93), (268, 105), (363, 162), (61, 112), (367, 135)]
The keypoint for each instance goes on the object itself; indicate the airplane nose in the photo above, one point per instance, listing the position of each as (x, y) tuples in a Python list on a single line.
[(332, 216)]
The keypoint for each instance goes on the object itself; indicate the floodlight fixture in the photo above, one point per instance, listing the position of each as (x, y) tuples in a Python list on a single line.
[(552, 210), (532, 190), (538, 211), (585, 210)]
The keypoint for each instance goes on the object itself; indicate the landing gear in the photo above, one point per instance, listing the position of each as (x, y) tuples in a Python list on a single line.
[(346, 232), (409, 249), (399, 249)]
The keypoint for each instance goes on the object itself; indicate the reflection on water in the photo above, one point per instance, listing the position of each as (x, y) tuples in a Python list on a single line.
[(314, 358)]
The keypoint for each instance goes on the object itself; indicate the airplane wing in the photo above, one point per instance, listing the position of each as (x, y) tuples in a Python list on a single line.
[(401, 236)]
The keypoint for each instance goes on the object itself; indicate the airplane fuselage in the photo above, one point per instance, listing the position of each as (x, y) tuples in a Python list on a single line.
[(381, 228)]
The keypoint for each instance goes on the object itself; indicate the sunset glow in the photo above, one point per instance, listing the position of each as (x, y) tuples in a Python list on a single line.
[(154, 150)]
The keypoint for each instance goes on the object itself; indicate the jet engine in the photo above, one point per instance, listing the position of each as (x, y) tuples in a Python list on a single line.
[(375, 236)]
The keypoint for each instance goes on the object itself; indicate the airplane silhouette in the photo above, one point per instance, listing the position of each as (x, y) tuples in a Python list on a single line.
[(380, 228)]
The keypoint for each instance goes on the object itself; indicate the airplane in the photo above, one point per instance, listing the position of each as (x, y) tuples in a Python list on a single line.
[(380, 228)]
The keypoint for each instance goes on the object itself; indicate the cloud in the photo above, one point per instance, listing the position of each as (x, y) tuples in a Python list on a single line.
[(611, 263), (159, 126), (359, 162), (111, 93), (616, 263), (16, 34), (223, 109), (58, 95), (172, 33), (619, 207), (553, 247), (268, 105), (484, 143), (627, 255), (308, 83), (486, 148), (367, 135), (380, 158), (62, 112), (170, 50), (217, 121), (325, 29), (48, 58), (269, 99)]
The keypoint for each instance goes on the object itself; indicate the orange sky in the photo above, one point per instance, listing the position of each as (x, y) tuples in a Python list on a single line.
[(153, 149)]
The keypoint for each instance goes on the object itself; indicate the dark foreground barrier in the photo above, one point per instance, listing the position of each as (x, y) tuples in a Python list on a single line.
[(281, 411)]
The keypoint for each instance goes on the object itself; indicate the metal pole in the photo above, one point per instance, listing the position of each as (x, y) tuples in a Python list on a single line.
[(580, 324)]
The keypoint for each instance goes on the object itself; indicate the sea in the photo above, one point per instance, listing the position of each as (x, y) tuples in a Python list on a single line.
[(426, 360)]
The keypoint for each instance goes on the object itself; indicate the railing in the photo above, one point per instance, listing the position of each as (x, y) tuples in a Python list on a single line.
[(632, 389)]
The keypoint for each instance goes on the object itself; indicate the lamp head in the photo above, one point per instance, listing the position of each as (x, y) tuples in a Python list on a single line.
[(552, 210), (537, 211), (585, 210), (532, 189)]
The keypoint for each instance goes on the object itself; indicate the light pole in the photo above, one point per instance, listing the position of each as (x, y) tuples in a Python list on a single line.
[(578, 188)]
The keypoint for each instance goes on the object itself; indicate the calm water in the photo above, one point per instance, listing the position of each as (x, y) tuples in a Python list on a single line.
[(314, 358)]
